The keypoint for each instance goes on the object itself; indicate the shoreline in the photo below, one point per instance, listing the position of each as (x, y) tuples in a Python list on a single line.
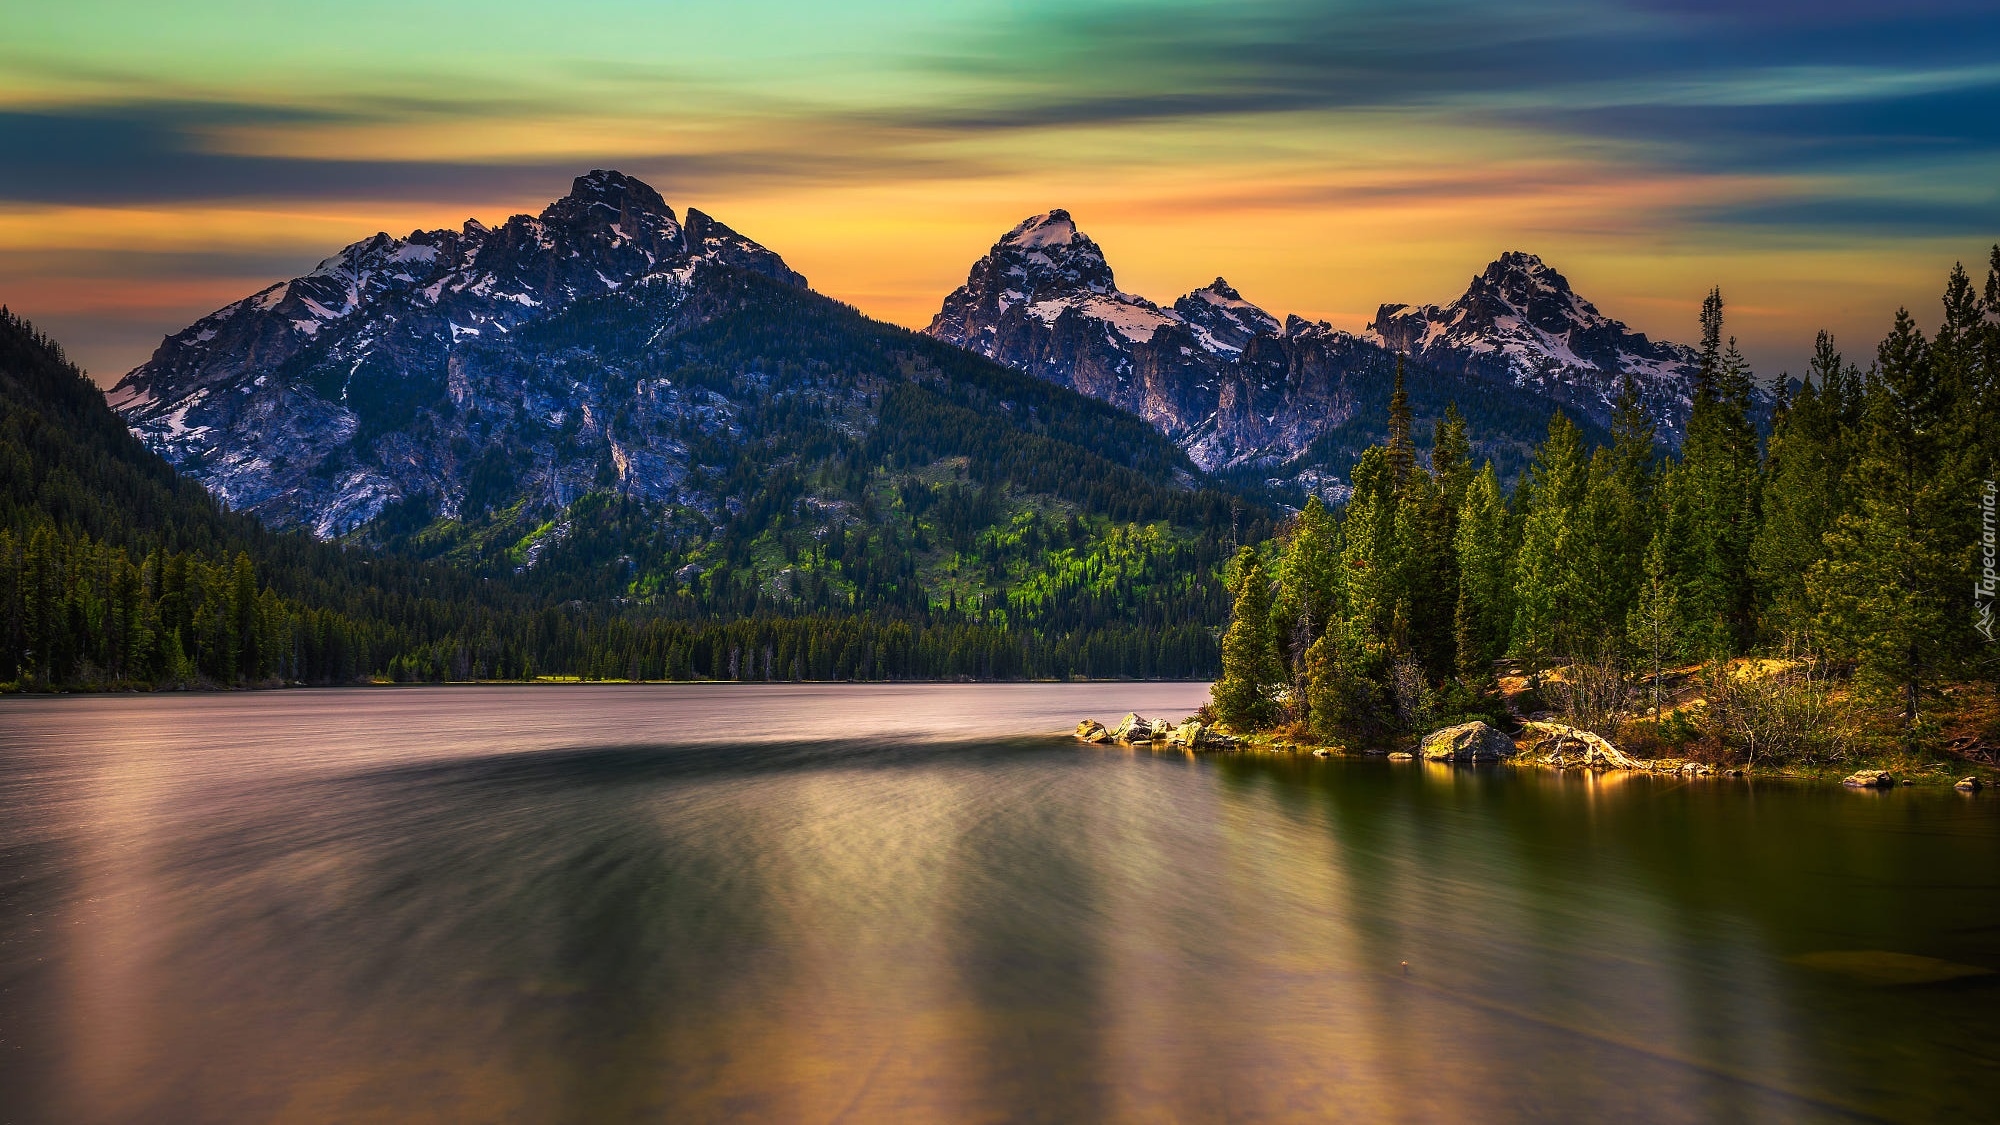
[(11, 690), (1950, 773)]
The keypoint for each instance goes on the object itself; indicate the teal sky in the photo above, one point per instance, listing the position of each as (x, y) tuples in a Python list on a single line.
[(1822, 162)]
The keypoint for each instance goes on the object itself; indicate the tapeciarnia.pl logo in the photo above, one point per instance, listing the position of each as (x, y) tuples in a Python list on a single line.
[(1987, 583)]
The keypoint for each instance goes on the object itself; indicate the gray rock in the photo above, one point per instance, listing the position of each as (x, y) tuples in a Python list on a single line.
[(1467, 742), (1133, 728)]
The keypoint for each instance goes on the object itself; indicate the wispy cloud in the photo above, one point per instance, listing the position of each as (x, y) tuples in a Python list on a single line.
[(1363, 135)]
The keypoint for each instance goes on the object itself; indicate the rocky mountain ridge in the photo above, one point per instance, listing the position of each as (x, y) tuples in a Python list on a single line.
[(297, 403), (601, 406), (1520, 323), (1241, 392)]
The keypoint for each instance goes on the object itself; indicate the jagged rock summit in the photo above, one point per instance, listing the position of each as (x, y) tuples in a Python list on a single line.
[(304, 403), (1222, 320), (1521, 324), (1043, 300), (1239, 390)]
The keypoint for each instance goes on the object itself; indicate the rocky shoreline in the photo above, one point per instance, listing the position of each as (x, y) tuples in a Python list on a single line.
[(1539, 743), (1136, 730)]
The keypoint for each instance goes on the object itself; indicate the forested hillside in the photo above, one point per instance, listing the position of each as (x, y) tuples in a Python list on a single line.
[(978, 532), (1844, 556)]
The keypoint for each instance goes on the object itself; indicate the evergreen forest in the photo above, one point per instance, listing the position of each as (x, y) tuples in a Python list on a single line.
[(977, 551), (1804, 596)]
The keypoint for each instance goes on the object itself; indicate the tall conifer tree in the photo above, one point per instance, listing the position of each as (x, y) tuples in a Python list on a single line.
[(1484, 613), (1547, 571), (1893, 584), (1251, 673), (1804, 494), (1714, 495), (1402, 449)]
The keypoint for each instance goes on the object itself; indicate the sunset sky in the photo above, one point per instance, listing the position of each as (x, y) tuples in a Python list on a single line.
[(1822, 161)]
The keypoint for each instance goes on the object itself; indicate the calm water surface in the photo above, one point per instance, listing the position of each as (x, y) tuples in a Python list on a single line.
[(912, 903)]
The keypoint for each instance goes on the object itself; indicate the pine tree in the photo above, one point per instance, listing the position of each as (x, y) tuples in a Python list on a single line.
[(41, 605), (1636, 452), (1251, 673), (1426, 577), (1451, 461), (1345, 673), (1370, 561), (1402, 450), (1548, 593), (1711, 344), (1804, 494), (11, 655), (1484, 612), (241, 637), (1653, 627), (1894, 579), (1619, 501), (1310, 591), (1716, 485)]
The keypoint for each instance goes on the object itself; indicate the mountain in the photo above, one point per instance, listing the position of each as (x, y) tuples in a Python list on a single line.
[(117, 571), (1043, 301), (293, 403), (604, 406), (1291, 404), (1519, 323)]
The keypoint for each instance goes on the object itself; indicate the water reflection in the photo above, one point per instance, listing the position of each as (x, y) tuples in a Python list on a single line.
[(597, 905)]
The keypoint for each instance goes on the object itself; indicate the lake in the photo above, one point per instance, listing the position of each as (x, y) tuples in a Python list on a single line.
[(920, 903)]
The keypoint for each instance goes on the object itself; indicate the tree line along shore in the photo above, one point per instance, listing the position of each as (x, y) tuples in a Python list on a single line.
[(1797, 588)]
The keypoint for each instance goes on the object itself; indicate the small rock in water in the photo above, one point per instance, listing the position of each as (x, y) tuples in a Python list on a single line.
[(1402, 756), (1869, 779), (1090, 730), (1970, 784)]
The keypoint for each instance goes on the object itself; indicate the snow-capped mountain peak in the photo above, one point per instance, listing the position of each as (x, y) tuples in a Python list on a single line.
[(1520, 322), (1221, 319), (261, 399), (1039, 232), (1043, 297)]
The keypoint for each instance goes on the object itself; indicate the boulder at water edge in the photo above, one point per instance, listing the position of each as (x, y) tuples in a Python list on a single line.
[(1467, 742), (1969, 784), (1869, 779), (1132, 728), (1090, 730)]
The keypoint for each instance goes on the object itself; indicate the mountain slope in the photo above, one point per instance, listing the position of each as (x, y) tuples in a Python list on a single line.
[(1043, 301), (115, 570), (1519, 323), (292, 403), (606, 407), (1251, 399)]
